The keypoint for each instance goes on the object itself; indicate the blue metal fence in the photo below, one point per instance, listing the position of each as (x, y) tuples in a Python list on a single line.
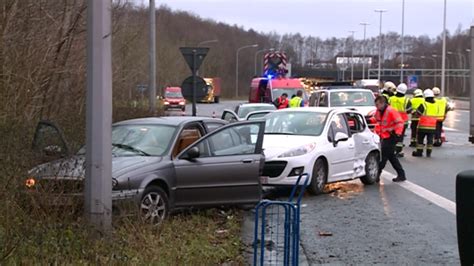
[(277, 228)]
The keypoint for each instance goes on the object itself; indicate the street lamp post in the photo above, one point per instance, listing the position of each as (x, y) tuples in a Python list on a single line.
[(365, 47), (443, 59), (436, 67), (352, 54), (380, 11), (152, 54), (237, 66), (434, 60), (403, 42), (256, 57)]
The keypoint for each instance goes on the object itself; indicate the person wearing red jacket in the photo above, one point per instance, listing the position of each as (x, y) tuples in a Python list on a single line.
[(390, 128), (282, 102)]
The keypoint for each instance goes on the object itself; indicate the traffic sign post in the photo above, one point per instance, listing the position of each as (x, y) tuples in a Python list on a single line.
[(194, 57)]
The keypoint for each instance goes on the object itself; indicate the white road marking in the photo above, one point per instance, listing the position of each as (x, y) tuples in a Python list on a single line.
[(432, 197), (449, 129)]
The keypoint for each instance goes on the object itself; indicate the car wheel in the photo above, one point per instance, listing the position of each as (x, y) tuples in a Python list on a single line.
[(371, 169), (319, 177), (154, 205)]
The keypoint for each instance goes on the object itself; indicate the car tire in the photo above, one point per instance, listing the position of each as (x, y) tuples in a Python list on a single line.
[(154, 205), (372, 163), (319, 177), (216, 99)]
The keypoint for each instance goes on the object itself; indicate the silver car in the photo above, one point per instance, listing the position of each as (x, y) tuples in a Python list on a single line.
[(160, 164)]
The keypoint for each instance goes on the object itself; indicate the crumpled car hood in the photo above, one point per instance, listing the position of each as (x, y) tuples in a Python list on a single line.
[(74, 167)]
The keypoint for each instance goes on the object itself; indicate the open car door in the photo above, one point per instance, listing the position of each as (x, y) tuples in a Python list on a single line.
[(222, 168), (230, 116), (49, 141)]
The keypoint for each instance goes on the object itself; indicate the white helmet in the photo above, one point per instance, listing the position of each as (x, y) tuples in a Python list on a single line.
[(428, 93), (388, 85), (402, 88), (418, 93), (436, 91)]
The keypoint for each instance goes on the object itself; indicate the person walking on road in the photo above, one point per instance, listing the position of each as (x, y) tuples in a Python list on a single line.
[(402, 104), (442, 104), (297, 101), (428, 112), (390, 128), (416, 101), (282, 102)]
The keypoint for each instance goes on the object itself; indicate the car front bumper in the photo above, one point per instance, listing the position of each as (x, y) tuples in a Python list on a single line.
[(277, 171)]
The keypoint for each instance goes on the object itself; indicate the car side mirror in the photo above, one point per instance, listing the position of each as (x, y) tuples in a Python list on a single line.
[(340, 136), (192, 153)]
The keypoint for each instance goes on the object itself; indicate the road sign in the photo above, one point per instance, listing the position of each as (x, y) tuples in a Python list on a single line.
[(412, 81), (194, 62), (187, 88)]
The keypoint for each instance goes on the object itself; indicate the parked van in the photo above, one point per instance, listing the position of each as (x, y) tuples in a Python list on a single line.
[(265, 90)]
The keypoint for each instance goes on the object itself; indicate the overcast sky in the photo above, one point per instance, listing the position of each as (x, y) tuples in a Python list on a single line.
[(328, 18)]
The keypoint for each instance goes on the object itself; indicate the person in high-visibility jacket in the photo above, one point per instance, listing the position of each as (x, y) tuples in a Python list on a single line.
[(297, 101), (442, 103), (387, 89), (416, 101), (390, 128), (402, 104), (428, 112)]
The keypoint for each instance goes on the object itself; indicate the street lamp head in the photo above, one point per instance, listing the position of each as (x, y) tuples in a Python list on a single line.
[(434, 55), (468, 50), (255, 45), (449, 52)]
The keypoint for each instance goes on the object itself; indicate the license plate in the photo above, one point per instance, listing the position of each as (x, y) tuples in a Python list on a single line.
[(264, 179)]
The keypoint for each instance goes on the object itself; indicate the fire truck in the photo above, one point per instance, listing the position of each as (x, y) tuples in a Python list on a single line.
[(275, 82)]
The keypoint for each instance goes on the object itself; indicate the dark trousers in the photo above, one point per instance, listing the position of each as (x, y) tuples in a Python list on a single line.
[(399, 144), (421, 141), (388, 154), (439, 128), (413, 127)]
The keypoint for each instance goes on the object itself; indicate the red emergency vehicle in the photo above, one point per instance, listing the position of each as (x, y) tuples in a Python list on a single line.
[(267, 89)]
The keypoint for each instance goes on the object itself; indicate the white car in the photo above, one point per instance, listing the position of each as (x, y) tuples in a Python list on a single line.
[(330, 144), (353, 98), (247, 111)]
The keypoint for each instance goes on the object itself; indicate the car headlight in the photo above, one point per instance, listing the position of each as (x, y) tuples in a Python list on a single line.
[(302, 150)]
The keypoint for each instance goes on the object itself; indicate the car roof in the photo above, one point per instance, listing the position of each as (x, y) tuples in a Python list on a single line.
[(255, 104), (345, 89), (317, 109), (166, 120)]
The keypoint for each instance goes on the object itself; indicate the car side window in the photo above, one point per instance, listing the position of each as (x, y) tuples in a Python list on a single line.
[(231, 141), (212, 126), (187, 137), (323, 99), (338, 124), (356, 123)]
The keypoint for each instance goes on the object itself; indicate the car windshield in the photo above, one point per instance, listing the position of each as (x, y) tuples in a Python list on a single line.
[(140, 140), (352, 98), (295, 123), (289, 91), (173, 94), (245, 110)]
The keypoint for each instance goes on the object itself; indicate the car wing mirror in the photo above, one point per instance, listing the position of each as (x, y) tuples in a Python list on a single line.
[(340, 136), (192, 154)]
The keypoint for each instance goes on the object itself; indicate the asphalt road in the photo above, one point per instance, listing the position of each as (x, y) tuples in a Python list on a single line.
[(388, 223)]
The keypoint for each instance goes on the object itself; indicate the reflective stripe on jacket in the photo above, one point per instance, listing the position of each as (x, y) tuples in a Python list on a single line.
[(429, 117), (388, 122)]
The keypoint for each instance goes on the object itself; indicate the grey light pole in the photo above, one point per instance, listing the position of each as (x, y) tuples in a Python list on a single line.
[(380, 11), (403, 42), (443, 58), (152, 54), (462, 63), (352, 54), (365, 49), (98, 184), (237, 66), (344, 66)]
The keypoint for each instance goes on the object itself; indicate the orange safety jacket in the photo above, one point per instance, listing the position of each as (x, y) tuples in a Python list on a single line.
[(282, 104), (387, 122)]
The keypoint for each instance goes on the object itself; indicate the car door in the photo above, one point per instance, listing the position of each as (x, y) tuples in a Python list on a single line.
[(49, 142), (227, 169), (229, 116), (341, 155), (362, 141)]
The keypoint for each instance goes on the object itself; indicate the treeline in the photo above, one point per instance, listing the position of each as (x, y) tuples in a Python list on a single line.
[(43, 56)]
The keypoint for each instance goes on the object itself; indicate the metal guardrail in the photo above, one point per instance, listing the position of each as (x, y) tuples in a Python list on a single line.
[(277, 228)]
